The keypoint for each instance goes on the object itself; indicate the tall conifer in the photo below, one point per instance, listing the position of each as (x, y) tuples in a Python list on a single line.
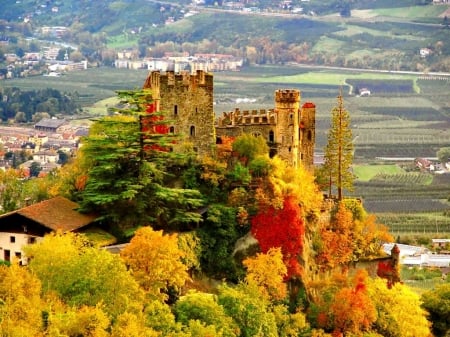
[(339, 150)]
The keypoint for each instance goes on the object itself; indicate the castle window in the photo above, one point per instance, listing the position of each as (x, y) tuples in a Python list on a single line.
[(289, 149), (271, 137), (196, 109), (12, 239), (309, 135), (172, 129), (192, 131), (175, 110)]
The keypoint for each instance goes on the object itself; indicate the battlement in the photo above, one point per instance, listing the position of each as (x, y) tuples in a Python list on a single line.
[(247, 117), (287, 96), (157, 80)]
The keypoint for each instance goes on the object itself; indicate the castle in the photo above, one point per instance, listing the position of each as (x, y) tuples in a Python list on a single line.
[(188, 99)]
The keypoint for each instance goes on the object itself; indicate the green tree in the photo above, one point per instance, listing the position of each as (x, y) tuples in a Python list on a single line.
[(35, 169), (437, 303), (204, 307), (339, 150), (443, 154), (131, 170), (250, 311), (249, 147)]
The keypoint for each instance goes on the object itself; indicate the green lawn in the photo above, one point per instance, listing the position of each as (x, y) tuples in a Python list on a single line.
[(332, 77), (413, 11), (367, 172)]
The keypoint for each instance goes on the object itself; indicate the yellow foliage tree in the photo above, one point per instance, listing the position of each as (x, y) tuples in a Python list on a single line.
[(20, 302), (155, 261), (398, 310), (132, 325), (266, 272), (285, 180)]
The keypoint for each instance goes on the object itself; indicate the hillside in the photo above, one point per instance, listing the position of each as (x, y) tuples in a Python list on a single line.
[(364, 34)]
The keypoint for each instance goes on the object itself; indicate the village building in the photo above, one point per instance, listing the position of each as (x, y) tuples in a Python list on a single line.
[(28, 225)]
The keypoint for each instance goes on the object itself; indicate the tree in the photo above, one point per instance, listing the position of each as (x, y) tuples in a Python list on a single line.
[(20, 302), (268, 280), (392, 317), (337, 239), (155, 262), (83, 275), (339, 150), (35, 169), (249, 147), (443, 155), (352, 309), (437, 303), (204, 308), (282, 228), (250, 311), (129, 164)]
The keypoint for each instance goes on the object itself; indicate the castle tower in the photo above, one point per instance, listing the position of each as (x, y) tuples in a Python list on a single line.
[(307, 135), (287, 107), (188, 101)]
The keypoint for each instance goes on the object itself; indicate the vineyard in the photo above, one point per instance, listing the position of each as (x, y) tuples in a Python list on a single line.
[(411, 113), (382, 86), (415, 223)]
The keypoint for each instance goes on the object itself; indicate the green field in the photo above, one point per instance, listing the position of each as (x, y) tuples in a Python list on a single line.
[(367, 172)]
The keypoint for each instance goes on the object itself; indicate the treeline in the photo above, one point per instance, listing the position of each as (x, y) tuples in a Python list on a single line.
[(28, 106)]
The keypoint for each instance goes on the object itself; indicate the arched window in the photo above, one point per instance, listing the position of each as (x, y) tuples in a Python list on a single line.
[(271, 137), (172, 129), (192, 131)]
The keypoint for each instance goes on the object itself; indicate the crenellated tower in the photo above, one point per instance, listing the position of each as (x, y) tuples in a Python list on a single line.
[(307, 135), (188, 101), (287, 108)]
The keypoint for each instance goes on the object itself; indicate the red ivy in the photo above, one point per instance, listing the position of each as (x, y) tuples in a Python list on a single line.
[(281, 228)]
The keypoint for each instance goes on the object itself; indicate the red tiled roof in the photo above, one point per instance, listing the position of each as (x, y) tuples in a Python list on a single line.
[(57, 213)]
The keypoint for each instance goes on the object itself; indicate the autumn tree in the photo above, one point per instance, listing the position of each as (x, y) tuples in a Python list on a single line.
[(282, 228), (352, 309), (269, 280), (398, 310), (154, 260), (84, 275), (339, 150), (336, 246), (20, 302), (130, 179)]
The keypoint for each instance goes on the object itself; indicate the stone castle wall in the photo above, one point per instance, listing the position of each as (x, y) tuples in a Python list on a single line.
[(188, 98)]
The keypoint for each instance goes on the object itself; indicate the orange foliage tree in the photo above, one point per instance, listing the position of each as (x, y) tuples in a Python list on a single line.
[(352, 309), (337, 244)]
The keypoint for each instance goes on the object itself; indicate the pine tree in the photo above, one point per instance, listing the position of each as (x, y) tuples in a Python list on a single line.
[(132, 170), (339, 150)]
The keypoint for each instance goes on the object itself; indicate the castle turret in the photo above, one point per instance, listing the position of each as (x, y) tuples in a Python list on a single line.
[(287, 107), (307, 135)]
